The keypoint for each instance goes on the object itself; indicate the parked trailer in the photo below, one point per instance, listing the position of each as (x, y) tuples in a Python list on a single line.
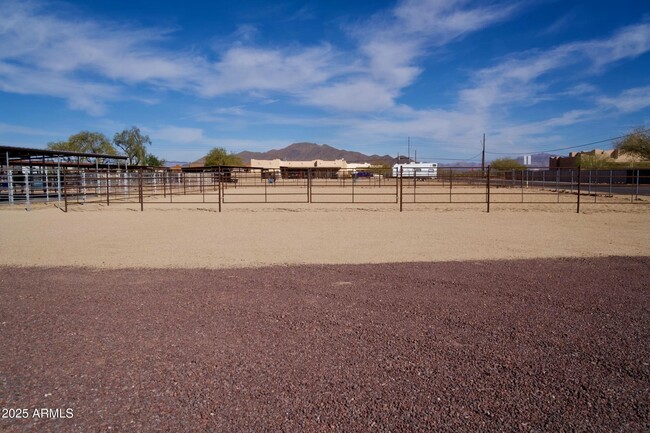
[(420, 170)]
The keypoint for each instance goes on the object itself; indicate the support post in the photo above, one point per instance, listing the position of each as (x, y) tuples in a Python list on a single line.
[(65, 192), (10, 181), (97, 185), (488, 189), (579, 189), (401, 187), (415, 181), (108, 186), (451, 181), (396, 185), (610, 181), (83, 186), (28, 205), (47, 183), (141, 193), (309, 185), (58, 179)]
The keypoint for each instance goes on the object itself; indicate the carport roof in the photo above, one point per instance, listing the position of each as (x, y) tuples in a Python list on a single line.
[(28, 153)]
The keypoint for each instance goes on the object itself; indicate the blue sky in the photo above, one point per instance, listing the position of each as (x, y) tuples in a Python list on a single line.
[(364, 75)]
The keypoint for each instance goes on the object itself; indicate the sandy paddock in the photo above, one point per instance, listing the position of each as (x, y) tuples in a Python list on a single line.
[(244, 235), (456, 343)]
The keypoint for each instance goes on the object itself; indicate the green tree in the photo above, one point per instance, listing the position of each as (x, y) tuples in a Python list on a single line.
[(637, 143), (594, 162), (133, 143), (506, 164), (153, 161), (219, 156), (85, 142)]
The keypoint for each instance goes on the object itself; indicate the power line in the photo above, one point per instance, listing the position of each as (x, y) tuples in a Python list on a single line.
[(451, 159), (571, 147)]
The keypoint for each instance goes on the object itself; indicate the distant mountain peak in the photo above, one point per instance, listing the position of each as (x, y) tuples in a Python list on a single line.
[(306, 151)]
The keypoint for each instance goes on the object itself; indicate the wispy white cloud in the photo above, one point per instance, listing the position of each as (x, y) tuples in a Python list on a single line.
[(391, 43), (520, 78), (90, 63), (628, 101), (244, 69)]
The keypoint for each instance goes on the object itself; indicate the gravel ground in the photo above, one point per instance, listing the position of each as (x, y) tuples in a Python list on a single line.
[(536, 346)]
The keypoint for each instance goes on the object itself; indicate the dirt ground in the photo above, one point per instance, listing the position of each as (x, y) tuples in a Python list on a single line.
[(197, 236), (521, 345), (314, 317)]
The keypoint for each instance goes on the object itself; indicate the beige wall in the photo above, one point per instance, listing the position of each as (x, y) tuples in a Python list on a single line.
[(277, 163)]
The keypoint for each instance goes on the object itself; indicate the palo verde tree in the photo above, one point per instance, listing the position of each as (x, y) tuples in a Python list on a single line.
[(133, 144), (85, 142), (153, 161), (637, 143), (218, 156)]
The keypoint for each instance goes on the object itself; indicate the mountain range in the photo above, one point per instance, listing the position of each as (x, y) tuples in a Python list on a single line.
[(310, 151)]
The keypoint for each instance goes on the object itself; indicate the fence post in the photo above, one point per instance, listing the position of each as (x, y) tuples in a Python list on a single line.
[(579, 187), (47, 185), (83, 186), (58, 180), (28, 205), (451, 181), (611, 180), (108, 186), (396, 185), (488, 189), (219, 183), (415, 181), (638, 176), (65, 191), (141, 193), (401, 187), (309, 185)]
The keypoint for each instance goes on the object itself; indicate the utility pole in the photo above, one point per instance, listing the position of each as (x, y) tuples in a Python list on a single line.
[(408, 155), (483, 158)]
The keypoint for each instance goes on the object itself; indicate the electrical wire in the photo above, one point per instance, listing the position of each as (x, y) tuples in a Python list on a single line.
[(568, 148)]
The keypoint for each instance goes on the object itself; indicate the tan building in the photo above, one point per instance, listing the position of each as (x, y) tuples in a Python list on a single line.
[(571, 161), (298, 169)]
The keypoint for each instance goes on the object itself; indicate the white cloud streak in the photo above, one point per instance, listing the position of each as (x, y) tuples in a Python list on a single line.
[(90, 63)]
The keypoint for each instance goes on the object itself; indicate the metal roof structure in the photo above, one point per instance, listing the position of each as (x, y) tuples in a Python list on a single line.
[(23, 153)]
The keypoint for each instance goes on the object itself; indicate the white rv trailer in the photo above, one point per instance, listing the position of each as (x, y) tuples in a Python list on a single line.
[(419, 170)]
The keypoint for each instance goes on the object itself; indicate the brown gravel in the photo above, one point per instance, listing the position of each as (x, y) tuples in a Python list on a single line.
[(536, 345)]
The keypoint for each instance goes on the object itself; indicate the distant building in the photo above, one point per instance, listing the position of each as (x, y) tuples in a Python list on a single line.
[(299, 169), (571, 161)]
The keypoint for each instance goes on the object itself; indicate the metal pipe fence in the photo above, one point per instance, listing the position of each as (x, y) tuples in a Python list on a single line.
[(230, 186)]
